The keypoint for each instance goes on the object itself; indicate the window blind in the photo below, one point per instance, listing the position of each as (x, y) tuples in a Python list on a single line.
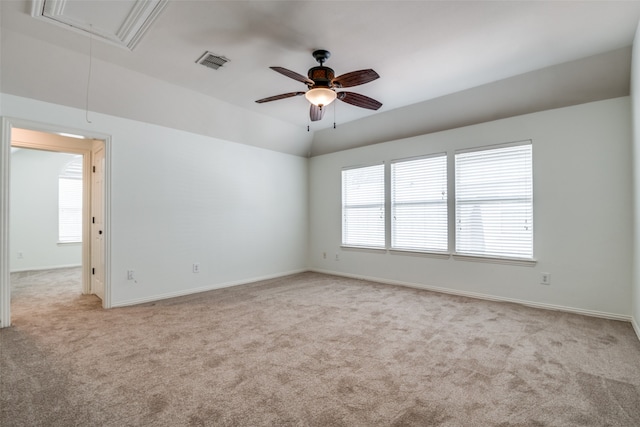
[(363, 207), (419, 204), (70, 202), (494, 202)]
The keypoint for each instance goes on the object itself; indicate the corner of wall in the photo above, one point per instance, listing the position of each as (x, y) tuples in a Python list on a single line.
[(5, 285), (635, 112)]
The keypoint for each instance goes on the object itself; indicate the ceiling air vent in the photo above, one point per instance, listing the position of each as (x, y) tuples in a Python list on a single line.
[(212, 60)]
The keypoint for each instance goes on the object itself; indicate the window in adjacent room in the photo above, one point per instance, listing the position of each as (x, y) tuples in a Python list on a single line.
[(419, 204), (70, 202), (363, 200), (494, 201)]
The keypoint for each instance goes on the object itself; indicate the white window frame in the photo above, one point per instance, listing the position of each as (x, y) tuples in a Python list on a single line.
[(418, 198), (368, 198), (70, 205), (519, 195)]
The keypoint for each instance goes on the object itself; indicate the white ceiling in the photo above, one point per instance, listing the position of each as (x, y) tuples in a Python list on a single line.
[(424, 51)]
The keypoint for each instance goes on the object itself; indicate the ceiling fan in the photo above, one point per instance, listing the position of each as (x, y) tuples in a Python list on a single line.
[(322, 85)]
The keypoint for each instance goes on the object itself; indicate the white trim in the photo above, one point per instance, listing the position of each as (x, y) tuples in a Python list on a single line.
[(428, 254), (364, 248), (367, 165), (136, 25), (57, 143), (422, 157), (132, 28), (206, 288), (554, 307), (494, 146), (106, 220), (54, 267), (7, 123), (5, 279)]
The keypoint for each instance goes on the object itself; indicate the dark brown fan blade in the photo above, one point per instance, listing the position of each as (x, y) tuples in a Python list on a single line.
[(359, 100), (355, 78), (316, 113), (282, 96), (293, 75)]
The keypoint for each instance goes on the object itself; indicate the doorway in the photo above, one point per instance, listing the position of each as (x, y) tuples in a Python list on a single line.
[(46, 213), (94, 150)]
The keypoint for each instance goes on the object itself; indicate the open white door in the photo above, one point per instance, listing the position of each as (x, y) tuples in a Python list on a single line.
[(97, 219)]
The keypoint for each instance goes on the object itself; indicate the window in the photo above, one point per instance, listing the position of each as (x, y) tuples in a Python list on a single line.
[(363, 215), (494, 202), (419, 204), (70, 202)]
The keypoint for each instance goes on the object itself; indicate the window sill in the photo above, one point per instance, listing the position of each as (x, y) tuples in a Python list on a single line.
[(364, 248), (495, 260), (428, 254), (68, 243)]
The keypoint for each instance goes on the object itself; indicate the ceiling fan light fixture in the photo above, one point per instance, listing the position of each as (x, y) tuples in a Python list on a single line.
[(322, 85), (320, 96)]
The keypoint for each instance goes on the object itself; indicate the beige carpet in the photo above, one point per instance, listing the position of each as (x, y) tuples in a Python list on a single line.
[(309, 350)]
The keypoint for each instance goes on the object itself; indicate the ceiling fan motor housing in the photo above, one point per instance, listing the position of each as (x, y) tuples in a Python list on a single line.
[(321, 76)]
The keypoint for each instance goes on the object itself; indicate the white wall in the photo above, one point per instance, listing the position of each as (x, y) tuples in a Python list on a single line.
[(582, 212), (34, 212), (635, 102), (178, 198), (153, 101)]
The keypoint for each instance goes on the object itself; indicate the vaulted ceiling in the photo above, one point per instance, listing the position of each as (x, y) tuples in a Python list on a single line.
[(442, 64)]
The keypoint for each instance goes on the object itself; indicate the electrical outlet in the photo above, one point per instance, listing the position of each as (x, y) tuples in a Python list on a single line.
[(20, 255), (545, 278), (196, 268), (324, 255), (337, 257), (131, 275)]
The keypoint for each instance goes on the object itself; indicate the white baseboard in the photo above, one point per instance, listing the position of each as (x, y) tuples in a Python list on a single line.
[(592, 313), (204, 289), (54, 267), (574, 310)]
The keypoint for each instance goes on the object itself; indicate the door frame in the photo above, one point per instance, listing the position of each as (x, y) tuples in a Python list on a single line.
[(24, 138), (7, 125), (96, 228)]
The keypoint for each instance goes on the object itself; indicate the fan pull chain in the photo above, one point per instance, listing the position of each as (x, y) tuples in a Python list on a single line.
[(334, 115), (89, 74)]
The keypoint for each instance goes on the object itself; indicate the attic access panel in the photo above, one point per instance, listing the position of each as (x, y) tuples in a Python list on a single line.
[(122, 22)]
